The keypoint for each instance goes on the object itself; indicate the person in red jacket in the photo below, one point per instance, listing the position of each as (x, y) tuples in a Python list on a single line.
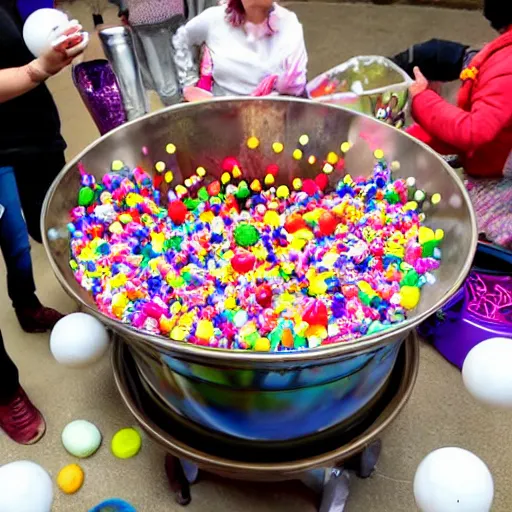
[(479, 128)]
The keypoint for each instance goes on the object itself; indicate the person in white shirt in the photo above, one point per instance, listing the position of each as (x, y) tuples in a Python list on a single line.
[(250, 48)]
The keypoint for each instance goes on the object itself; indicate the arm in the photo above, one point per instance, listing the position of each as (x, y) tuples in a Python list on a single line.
[(490, 112), (186, 41), (293, 81), (419, 133)]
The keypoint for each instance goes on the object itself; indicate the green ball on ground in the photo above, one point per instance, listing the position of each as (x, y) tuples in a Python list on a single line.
[(81, 438)]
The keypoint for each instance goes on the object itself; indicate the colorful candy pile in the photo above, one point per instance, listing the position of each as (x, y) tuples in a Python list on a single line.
[(251, 266)]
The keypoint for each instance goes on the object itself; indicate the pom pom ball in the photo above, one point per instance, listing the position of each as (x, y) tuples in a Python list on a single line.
[(81, 438), (453, 480), (78, 340), (25, 487), (42, 28), (486, 372)]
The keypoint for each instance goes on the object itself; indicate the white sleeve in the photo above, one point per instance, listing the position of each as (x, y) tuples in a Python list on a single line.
[(186, 42)]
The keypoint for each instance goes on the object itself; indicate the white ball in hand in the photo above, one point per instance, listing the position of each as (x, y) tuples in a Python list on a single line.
[(42, 28), (453, 480), (25, 487), (79, 340), (487, 372)]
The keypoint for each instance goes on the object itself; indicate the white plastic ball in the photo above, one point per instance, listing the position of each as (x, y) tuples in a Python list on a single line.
[(41, 28), (486, 372), (78, 340), (453, 480), (25, 487)]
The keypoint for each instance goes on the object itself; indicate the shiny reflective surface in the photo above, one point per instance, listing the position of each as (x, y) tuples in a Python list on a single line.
[(269, 460), (239, 393)]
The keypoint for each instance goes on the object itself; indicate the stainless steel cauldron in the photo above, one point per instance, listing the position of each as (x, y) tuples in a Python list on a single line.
[(267, 396)]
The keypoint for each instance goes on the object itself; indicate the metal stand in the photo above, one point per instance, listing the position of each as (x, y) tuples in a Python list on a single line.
[(332, 484)]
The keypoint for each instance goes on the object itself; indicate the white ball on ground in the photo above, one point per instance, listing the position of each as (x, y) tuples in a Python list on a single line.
[(79, 340), (453, 480), (42, 28), (486, 372), (81, 438), (25, 487)]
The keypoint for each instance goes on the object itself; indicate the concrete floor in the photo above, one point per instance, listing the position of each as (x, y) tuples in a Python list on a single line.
[(440, 412)]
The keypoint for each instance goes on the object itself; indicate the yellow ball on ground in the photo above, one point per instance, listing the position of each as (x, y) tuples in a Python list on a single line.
[(70, 478), (126, 443)]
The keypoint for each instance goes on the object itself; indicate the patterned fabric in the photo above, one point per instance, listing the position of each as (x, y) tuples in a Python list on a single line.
[(146, 12), (492, 200)]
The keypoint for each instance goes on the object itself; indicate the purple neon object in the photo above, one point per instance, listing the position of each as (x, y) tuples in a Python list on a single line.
[(480, 310), (98, 87)]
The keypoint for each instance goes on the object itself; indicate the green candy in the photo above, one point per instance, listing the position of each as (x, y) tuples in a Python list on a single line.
[(392, 197), (202, 194), (246, 235), (174, 243), (300, 342), (242, 192), (85, 196), (192, 204), (411, 278)]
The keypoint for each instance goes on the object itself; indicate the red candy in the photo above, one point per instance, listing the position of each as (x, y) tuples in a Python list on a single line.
[(327, 223), (322, 181), (263, 295), (350, 291), (272, 169), (310, 187), (243, 261), (316, 314), (213, 188), (177, 212), (229, 163), (294, 222)]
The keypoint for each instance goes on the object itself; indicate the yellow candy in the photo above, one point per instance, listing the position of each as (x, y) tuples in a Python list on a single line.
[(332, 158), (236, 172), (160, 166), (180, 190), (170, 148), (230, 303), (116, 228), (435, 199), (439, 234), (411, 205), (117, 165), (168, 177), (378, 154), (204, 330), (297, 154), (133, 199), (395, 166), (119, 303), (316, 287), (303, 140), (269, 180), (409, 297), (272, 219), (256, 186), (188, 183), (125, 218), (298, 244), (207, 216), (175, 308), (262, 345), (345, 147), (201, 172), (297, 184), (278, 147), (70, 478), (316, 331), (118, 280), (178, 334), (126, 443), (225, 178), (253, 142), (283, 192), (327, 168), (166, 325), (312, 160), (425, 235)]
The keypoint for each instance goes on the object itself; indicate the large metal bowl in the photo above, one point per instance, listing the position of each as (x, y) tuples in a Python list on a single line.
[(267, 396)]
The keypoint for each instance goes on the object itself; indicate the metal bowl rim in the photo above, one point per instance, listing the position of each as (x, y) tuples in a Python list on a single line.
[(241, 356)]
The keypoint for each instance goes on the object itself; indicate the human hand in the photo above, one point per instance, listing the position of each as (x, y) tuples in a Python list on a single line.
[(193, 94), (266, 86), (420, 83)]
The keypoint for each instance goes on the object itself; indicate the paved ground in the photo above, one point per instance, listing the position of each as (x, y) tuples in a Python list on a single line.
[(440, 412)]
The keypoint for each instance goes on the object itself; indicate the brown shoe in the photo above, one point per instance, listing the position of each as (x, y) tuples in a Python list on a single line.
[(21, 421), (37, 319)]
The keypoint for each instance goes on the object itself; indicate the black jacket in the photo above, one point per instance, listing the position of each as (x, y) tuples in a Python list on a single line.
[(29, 123)]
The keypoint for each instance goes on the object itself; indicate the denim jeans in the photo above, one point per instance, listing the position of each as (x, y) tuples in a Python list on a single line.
[(15, 244)]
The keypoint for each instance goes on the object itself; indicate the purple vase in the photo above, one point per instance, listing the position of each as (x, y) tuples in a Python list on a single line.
[(480, 310), (98, 87)]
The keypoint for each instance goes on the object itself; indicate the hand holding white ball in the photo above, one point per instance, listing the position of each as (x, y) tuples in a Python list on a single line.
[(453, 480), (25, 487), (79, 340), (487, 372)]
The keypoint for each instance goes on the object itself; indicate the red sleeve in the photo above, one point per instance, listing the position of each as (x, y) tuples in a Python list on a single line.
[(419, 133), (491, 111)]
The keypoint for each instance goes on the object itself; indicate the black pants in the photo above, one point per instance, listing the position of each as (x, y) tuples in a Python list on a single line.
[(438, 60), (9, 378), (34, 175)]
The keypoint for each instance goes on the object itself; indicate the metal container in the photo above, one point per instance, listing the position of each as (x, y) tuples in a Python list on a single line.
[(372, 85), (267, 396), (270, 461)]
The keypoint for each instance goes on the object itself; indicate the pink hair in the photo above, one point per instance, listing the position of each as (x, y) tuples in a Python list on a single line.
[(235, 14)]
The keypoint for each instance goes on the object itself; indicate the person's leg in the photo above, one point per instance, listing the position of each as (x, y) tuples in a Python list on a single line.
[(19, 419), (15, 246), (34, 176), (439, 61)]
